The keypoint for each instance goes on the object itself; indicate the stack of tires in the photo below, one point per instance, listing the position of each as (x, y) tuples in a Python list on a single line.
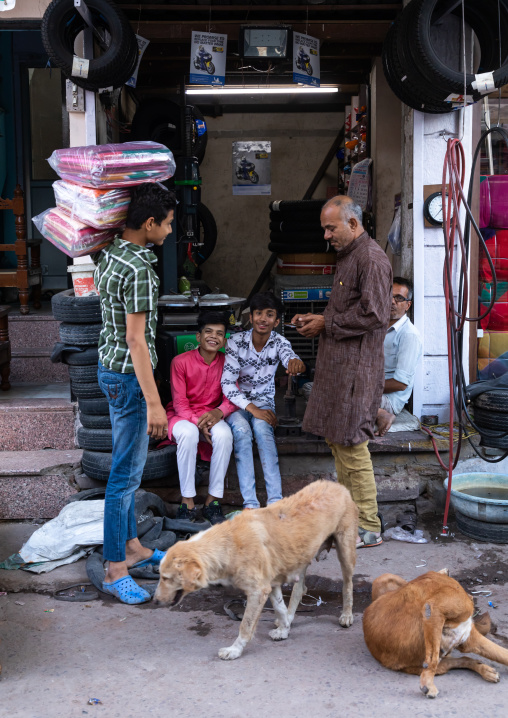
[(424, 41), (491, 418), (81, 326), (297, 238)]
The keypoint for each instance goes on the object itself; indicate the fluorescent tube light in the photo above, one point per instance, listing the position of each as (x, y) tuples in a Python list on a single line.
[(288, 90)]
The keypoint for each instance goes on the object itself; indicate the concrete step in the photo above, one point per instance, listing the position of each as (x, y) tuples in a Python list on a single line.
[(36, 484), (32, 339), (29, 424)]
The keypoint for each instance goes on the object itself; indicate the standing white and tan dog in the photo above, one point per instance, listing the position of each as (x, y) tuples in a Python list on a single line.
[(259, 550)]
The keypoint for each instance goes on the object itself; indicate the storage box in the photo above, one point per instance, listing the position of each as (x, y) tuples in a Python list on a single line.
[(82, 280)]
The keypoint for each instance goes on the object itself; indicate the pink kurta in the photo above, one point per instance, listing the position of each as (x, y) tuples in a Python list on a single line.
[(196, 389)]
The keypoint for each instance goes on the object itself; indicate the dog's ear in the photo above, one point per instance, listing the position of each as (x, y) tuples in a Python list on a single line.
[(192, 573), (445, 571), (483, 624)]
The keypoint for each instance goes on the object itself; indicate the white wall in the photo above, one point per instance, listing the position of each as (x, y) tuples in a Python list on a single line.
[(26, 10)]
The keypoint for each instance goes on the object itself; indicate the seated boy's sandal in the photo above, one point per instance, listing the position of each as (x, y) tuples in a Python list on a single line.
[(126, 590), (185, 513), (213, 513)]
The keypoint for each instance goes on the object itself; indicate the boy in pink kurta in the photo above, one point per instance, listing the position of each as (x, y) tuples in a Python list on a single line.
[(196, 416)]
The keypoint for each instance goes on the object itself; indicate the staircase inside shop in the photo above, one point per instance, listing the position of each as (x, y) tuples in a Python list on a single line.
[(38, 456)]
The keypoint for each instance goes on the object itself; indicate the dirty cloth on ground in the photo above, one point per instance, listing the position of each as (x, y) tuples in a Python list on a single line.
[(404, 422)]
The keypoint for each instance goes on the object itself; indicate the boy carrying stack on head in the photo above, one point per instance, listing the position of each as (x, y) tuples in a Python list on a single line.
[(252, 358), (196, 416)]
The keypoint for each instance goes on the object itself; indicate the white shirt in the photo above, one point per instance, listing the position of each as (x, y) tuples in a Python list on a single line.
[(253, 371), (403, 349)]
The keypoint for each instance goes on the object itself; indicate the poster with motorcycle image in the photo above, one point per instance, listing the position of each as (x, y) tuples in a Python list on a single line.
[(306, 70), (252, 168), (208, 59)]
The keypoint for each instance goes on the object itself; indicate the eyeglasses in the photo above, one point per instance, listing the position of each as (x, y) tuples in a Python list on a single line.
[(399, 298)]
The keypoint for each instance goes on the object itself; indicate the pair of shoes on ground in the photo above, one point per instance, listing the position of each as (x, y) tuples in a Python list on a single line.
[(126, 589), (212, 513)]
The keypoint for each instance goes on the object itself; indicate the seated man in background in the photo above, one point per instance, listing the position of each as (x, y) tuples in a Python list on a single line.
[(403, 349), (196, 416)]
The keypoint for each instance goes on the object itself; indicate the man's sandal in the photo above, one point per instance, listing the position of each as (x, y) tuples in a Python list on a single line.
[(368, 539), (126, 590), (154, 560)]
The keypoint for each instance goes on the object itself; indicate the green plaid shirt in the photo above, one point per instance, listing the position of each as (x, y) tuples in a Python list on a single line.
[(127, 283)]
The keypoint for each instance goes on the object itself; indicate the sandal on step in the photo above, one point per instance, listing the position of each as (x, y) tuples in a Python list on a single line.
[(126, 590), (407, 521), (154, 560), (368, 539)]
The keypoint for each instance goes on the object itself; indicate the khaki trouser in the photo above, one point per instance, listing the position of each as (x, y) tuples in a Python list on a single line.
[(354, 471)]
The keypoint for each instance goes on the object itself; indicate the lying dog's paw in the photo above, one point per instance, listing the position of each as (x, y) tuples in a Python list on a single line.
[(346, 619), (230, 653), (279, 634), (489, 674), (431, 692)]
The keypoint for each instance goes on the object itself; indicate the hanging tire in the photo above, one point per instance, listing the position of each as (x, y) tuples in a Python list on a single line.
[(91, 390), (493, 400), (297, 238), (83, 374), (300, 205), (481, 530), (62, 23), (483, 21), (95, 421), (76, 310), (80, 334), (97, 407), (296, 227), (88, 357), (208, 234), (159, 464), (160, 120), (95, 439), (311, 248)]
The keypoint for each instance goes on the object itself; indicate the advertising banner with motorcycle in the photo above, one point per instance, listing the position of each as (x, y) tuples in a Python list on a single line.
[(252, 168), (306, 70), (208, 59)]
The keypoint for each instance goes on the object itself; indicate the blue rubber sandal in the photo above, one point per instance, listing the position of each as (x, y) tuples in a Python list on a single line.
[(154, 560), (126, 590)]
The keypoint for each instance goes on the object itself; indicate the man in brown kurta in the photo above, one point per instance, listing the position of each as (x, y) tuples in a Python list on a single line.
[(349, 376)]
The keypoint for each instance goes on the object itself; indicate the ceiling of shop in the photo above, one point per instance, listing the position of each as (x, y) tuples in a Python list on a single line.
[(351, 35)]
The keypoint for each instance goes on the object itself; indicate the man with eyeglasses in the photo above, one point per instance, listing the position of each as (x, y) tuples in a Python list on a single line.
[(403, 349)]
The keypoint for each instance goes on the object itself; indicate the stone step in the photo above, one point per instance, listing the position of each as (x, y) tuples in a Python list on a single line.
[(30, 424), (36, 484)]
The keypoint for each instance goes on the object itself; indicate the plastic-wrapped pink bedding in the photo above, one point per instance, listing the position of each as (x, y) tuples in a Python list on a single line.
[(99, 208), (70, 235), (120, 165)]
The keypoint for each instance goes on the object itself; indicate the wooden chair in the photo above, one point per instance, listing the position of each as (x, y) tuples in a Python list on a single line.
[(5, 349), (24, 275)]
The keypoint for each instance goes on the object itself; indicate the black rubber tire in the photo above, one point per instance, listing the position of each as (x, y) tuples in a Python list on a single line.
[(160, 120), (493, 400), (208, 233), (311, 248), (148, 501), (88, 357), (481, 530), (84, 374), (62, 23), (90, 390), (493, 442), (159, 464), (293, 227), (76, 310), (95, 439), (297, 238), (297, 206), (493, 420), (97, 407), (95, 421), (484, 19), (81, 335)]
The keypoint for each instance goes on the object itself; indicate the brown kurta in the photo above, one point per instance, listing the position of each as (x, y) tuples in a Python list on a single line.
[(349, 377)]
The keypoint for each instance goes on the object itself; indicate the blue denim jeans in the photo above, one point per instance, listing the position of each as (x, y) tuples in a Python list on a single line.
[(245, 427), (127, 409)]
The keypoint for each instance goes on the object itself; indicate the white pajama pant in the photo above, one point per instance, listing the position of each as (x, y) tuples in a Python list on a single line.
[(187, 435)]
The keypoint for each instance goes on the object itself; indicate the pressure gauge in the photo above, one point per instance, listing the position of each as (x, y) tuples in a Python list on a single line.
[(433, 209)]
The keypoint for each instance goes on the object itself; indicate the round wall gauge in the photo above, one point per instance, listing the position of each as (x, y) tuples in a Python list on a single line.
[(433, 209)]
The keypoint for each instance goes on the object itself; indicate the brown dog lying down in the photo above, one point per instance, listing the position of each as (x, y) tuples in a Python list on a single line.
[(413, 626), (257, 551)]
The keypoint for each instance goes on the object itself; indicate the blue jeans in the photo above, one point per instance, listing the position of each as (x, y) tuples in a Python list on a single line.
[(245, 427), (127, 409)]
